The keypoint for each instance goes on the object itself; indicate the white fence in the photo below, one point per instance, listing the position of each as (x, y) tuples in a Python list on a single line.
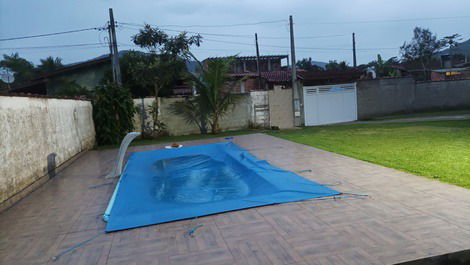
[(330, 104)]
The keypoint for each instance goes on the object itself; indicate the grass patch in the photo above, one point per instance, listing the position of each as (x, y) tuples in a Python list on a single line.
[(423, 115), (171, 139), (430, 149)]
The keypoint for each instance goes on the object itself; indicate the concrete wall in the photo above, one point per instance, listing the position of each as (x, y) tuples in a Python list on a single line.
[(403, 95), (31, 131), (238, 117), (452, 94), (281, 111)]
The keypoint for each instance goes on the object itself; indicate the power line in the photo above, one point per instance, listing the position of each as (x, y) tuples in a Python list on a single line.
[(49, 34), (383, 20), (53, 46), (227, 25), (138, 26), (303, 48), (192, 32)]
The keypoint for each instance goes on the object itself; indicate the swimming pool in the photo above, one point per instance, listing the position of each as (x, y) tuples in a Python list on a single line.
[(173, 184)]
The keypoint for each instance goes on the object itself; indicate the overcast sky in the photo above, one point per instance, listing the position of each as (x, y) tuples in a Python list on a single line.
[(380, 26)]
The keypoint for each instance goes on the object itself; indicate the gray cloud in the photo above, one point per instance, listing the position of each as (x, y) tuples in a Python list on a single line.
[(22, 17)]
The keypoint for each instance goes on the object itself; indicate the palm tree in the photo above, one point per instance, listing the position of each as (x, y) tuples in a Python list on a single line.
[(214, 99), (49, 65)]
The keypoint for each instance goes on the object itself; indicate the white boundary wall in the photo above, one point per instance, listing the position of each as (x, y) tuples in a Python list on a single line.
[(31, 129)]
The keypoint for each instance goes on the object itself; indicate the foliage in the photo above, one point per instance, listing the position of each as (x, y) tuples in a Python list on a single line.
[(49, 65), (131, 64), (214, 97), (113, 111), (154, 128), (215, 91), (385, 68), (424, 46), (166, 62), (24, 70), (423, 148), (335, 66), (193, 112), (70, 89), (307, 64)]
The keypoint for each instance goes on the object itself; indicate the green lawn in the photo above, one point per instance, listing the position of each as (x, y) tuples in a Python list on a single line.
[(439, 149), (424, 114)]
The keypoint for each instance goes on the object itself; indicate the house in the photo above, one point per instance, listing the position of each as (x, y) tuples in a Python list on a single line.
[(272, 72), (248, 64), (87, 74), (249, 81), (450, 74), (455, 56)]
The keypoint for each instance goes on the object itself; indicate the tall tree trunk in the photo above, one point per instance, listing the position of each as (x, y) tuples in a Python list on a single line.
[(157, 107), (203, 127), (215, 124)]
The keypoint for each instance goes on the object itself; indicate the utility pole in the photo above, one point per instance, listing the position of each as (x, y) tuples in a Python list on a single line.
[(354, 50), (295, 92), (257, 62), (114, 54)]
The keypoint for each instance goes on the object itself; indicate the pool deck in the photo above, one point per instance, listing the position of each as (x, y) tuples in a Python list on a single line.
[(405, 217)]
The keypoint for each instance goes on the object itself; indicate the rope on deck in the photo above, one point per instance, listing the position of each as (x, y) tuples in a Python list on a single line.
[(101, 185), (72, 248)]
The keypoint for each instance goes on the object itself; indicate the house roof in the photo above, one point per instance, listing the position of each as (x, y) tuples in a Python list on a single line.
[(252, 58), (76, 66), (272, 76), (450, 70)]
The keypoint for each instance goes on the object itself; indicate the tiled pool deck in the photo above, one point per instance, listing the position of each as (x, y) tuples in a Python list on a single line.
[(405, 217)]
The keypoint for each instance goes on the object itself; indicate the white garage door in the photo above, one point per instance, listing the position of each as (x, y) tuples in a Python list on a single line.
[(330, 104)]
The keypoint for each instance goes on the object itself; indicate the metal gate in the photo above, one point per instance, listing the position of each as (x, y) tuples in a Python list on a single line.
[(330, 104)]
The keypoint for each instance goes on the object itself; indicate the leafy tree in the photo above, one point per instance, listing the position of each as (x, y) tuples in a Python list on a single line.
[(130, 63), (166, 62), (24, 70), (215, 96), (384, 68), (307, 64), (49, 65), (423, 47), (113, 112), (70, 88), (335, 66)]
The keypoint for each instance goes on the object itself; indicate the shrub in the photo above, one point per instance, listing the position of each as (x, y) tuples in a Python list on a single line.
[(113, 111)]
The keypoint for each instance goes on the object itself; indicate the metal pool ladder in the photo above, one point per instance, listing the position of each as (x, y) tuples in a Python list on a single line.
[(117, 168)]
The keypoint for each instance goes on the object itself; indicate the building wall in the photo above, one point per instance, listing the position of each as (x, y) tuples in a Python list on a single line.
[(88, 77), (36, 134), (384, 96), (403, 95), (238, 117), (451, 94), (251, 66)]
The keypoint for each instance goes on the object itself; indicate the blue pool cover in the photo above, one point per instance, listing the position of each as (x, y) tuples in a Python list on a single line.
[(167, 185)]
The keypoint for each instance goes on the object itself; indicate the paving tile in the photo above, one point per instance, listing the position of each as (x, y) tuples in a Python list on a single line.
[(405, 217)]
